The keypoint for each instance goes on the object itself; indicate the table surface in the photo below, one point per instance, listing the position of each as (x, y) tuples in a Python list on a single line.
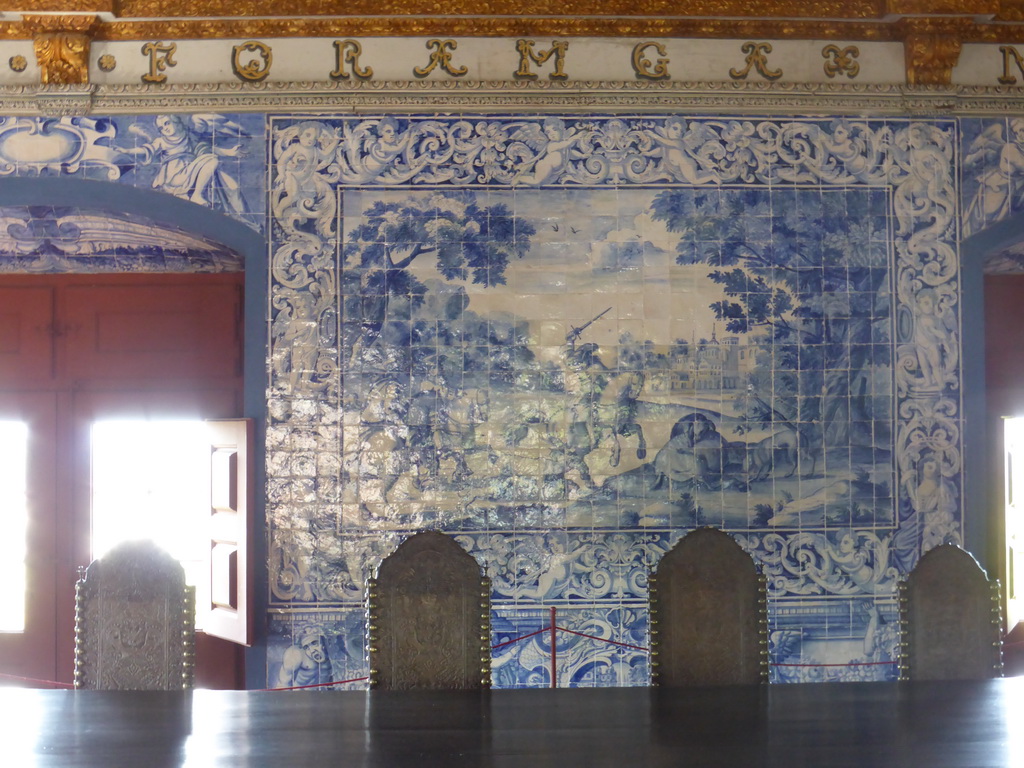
[(867, 725)]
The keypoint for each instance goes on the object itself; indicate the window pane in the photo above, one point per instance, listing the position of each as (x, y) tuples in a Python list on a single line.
[(13, 523), (150, 480)]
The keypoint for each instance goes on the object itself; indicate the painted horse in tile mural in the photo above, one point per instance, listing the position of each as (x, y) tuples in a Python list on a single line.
[(604, 407), (454, 425)]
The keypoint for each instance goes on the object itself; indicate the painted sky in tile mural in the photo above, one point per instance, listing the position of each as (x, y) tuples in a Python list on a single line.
[(568, 341)]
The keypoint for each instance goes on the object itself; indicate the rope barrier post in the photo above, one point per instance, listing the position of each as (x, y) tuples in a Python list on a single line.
[(554, 678)]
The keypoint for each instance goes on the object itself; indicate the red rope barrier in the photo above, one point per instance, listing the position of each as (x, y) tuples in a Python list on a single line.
[(314, 685), (37, 680), (849, 664), (554, 671), (521, 637), (605, 640), (553, 627)]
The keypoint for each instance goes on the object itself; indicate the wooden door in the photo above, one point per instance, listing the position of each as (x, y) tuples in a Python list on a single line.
[(32, 653), (1013, 575), (76, 348)]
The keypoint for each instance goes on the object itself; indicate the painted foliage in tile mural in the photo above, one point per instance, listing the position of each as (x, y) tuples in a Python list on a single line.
[(569, 341)]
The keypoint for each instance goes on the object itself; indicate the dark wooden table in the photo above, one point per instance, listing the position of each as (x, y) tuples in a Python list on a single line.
[(866, 725)]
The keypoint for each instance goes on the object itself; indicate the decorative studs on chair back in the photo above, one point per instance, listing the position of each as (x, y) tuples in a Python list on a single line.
[(428, 617), (134, 621), (950, 619), (709, 617)]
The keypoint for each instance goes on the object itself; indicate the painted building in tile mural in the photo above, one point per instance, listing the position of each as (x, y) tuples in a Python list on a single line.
[(566, 341)]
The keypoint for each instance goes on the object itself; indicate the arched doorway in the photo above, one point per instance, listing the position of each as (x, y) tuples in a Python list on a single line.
[(116, 302), (993, 279)]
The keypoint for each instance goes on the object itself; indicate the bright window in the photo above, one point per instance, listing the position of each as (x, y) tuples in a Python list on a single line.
[(150, 480), (13, 523)]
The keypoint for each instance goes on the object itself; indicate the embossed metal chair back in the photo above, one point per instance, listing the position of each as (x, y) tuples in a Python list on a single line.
[(708, 614), (950, 619), (429, 617), (134, 621)]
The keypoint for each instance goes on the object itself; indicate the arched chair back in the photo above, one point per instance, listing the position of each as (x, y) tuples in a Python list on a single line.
[(429, 617), (708, 614), (134, 622), (950, 619)]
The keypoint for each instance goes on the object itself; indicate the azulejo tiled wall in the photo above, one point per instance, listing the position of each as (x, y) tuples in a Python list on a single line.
[(211, 160), (567, 341)]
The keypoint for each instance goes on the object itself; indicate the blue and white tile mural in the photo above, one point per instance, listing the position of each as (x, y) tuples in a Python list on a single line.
[(567, 341), (47, 239), (993, 183), (211, 160), (993, 165)]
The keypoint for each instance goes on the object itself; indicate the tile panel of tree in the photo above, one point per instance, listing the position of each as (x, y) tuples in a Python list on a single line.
[(567, 341)]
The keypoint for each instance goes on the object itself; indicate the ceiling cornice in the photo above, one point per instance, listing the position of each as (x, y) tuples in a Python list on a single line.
[(866, 20)]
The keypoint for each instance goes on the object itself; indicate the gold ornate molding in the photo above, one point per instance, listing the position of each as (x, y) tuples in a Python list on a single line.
[(858, 9), (932, 48), (61, 44), (787, 19), (867, 20), (1011, 10), (376, 26), (107, 7), (933, 31), (944, 7), (85, 24)]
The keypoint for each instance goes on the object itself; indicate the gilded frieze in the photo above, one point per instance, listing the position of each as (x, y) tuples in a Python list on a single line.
[(944, 7), (643, 68), (347, 53), (840, 61), (858, 9), (61, 45), (528, 56), (789, 19), (63, 58), (932, 48), (108, 7), (161, 56), (251, 61), (1012, 62), (441, 55), (478, 26), (1011, 10), (756, 60)]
